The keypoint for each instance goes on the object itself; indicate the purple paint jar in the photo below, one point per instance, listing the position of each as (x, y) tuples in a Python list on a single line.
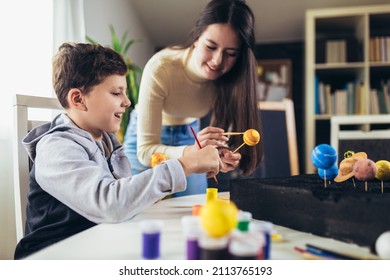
[(213, 248), (151, 231), (192, 230)]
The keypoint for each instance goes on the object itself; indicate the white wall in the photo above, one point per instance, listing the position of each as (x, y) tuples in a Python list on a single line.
[(99, 14), (25, 67)]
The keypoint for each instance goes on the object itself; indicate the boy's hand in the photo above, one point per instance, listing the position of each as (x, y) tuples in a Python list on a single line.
[(205, 160)]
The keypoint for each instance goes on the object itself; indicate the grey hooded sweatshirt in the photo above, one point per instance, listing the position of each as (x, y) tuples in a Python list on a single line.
[(75, 185)]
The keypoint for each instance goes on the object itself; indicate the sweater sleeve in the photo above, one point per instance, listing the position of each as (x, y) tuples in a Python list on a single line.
[(83, 181), (154, 90)]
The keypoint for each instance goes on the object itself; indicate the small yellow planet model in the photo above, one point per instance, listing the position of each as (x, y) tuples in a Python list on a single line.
[(251, 137), (156, 159), (383, 173), (348, 154), (218, 217)]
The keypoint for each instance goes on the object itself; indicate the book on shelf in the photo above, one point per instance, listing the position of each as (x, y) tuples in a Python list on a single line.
[(380, 99), (360, 99), (350, 100), (379, 49), (316, 96), (329, 100), (341, 102), (336, 51), (386, 93), (351, 108), (374, 105), (382, 102)]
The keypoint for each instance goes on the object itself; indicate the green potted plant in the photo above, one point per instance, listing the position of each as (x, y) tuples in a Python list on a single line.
[(122, 46)]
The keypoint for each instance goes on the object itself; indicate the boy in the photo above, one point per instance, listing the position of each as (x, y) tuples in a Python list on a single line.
[(80, 174)]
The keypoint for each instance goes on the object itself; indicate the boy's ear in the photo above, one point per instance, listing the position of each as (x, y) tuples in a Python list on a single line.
[(76, 99)]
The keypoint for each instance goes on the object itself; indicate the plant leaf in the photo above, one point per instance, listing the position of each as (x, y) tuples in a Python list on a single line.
[(90, 40), (123, 40), (115, 41)]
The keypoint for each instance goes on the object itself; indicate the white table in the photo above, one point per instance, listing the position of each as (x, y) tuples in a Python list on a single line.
[(123, 241)]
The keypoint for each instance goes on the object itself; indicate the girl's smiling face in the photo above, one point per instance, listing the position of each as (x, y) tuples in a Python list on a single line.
[(216, 50)]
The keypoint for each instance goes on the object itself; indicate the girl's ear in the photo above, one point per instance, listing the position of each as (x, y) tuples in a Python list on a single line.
[(195, 42), (76, 99)]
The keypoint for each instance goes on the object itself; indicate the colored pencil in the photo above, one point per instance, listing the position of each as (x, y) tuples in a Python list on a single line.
[(309, 256), (326, 252)]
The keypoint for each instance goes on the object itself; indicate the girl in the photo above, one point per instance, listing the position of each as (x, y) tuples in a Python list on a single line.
[(215, 73)]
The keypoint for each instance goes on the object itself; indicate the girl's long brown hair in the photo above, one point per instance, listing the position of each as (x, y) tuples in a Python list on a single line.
[(235, 107)]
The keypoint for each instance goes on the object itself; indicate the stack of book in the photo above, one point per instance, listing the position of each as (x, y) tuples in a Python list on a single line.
[(380, 99), (336, 51), (350, 100), (380, 49)]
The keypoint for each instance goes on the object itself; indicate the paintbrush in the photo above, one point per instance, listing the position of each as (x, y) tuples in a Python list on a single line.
[(200, 147)]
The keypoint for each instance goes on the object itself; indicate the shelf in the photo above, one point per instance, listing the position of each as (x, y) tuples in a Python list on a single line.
[(380, 64), (350, 65), (323, 117), (347, 57)]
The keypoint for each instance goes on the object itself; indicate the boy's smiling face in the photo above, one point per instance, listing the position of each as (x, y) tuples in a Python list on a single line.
[(102, 108)]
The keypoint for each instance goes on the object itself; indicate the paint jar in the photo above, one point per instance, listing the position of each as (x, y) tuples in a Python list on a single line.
[(192, 231), (151, 232), (265, 229), (243, 220), (196, 209), (245, 247), (211, 194), (213, 248)]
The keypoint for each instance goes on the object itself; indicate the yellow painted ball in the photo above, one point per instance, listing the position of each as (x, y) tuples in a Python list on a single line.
[(251, 137), (383, 173), (218, 217), (348, 154), (156, 159)]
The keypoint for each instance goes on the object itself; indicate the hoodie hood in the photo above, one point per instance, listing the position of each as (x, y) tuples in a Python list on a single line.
[(62, 123)]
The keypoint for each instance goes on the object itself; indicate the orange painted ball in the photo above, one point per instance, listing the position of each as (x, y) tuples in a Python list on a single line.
[(251, 137), (156, 159)]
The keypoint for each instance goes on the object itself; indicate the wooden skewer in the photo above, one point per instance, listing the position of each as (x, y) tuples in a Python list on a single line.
[(239, 147), (325, 178), (233, 133), (382, 186)]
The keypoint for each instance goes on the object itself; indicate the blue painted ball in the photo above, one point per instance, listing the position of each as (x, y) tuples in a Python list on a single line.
[(330, 173), (323, 156)]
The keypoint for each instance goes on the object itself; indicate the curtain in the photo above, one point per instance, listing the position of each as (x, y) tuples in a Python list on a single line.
[(69, 22)]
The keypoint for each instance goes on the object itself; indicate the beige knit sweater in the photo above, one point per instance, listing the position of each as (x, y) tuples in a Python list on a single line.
[(172, 92)]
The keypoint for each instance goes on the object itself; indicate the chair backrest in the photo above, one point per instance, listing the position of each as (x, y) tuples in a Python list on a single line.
[(370, 134), (22, 125)]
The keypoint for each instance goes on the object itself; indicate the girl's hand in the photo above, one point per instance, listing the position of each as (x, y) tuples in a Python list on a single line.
[(212, 136), (229, 160), (208, 136)]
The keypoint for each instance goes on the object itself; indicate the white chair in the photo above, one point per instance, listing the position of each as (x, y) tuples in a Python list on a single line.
[(363, 130), (22, 125)]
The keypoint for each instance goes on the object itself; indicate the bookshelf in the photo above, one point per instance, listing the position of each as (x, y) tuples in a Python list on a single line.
[(347, 63)]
